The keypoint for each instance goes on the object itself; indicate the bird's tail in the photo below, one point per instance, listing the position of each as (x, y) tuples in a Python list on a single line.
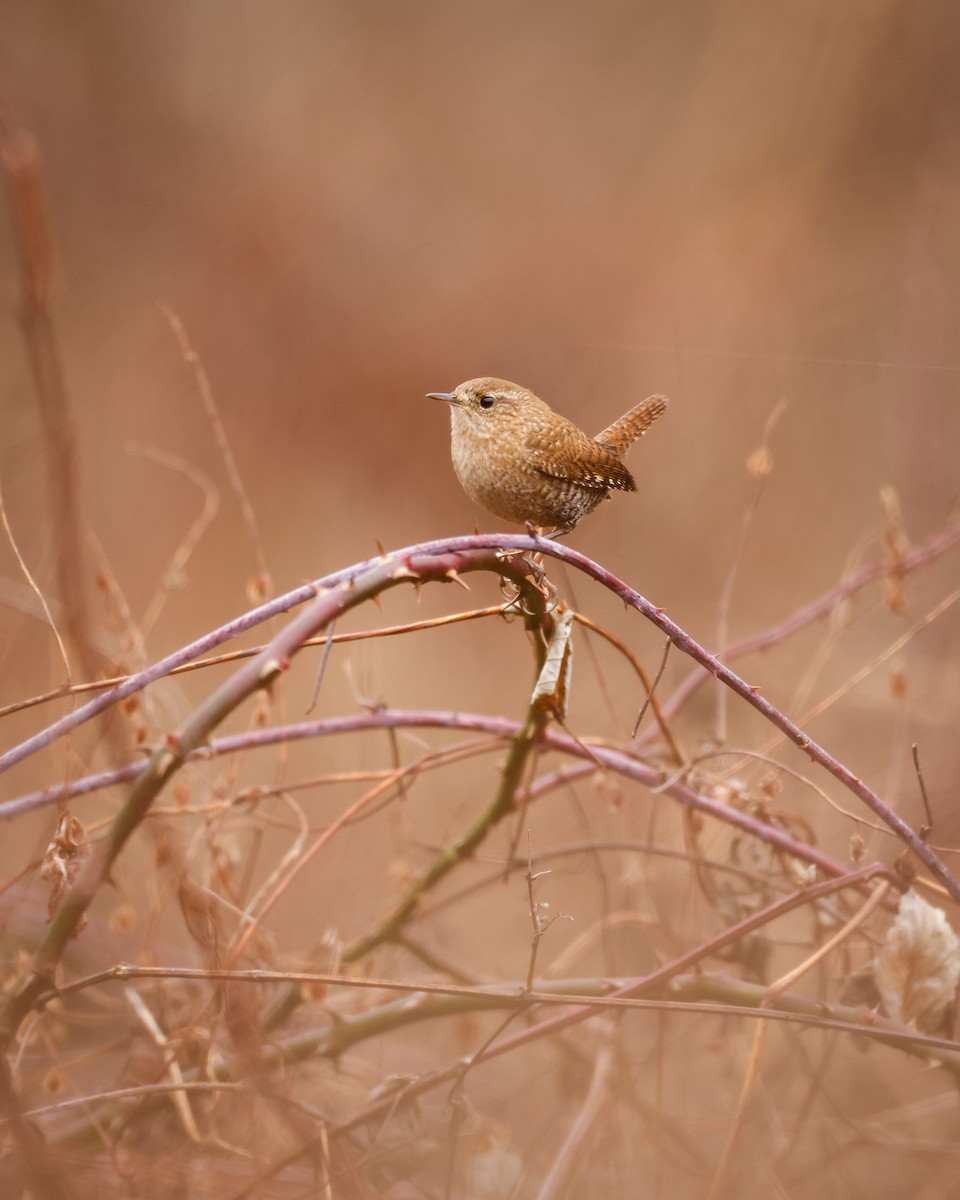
[(620, 436)]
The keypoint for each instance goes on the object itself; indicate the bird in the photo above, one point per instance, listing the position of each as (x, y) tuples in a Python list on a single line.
[(527, 464)]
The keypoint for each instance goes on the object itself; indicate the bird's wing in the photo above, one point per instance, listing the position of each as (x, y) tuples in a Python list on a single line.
[(565, 452)]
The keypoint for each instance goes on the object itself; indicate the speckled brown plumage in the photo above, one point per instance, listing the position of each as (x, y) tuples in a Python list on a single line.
[(525, 463)]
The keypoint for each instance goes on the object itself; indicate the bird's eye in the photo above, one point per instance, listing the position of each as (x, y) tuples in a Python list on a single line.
[(486, 401)]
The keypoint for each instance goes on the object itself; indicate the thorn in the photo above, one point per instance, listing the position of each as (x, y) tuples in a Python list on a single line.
[(404, 572), (165, 763), (272, 668), (455, 578), (379, 546)]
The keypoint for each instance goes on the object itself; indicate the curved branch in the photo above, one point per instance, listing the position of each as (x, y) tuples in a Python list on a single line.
[(444, 560)]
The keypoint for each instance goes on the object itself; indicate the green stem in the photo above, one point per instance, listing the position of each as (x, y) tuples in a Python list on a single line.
[(538, 623)]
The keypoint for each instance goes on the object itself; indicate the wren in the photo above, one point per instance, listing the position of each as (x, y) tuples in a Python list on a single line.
[(525, 463)]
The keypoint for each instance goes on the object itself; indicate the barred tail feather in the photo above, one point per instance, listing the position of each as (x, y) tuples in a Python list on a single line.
[(620, 436)]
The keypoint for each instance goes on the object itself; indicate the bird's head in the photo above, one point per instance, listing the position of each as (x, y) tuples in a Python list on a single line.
[(487, 407)]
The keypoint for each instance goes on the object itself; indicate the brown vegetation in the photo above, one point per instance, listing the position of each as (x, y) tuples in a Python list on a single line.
[(388, 902)]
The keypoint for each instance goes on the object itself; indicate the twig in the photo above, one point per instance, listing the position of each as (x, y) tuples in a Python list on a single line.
[(102, 685), (272, 894), (165, 762), (321, 670), (178, 1096), (540, 927), (651, 700), (615, 760), (539, 922), (569, 1158), (649, 687), (774, 992), (824, 604), (172, 575), (138, 1092), (944, 1051), (500, 806), (742, 755), (21, 159), (131, 684), (828, 701), (759, 464), (40, 596), (615, 846), (927, 828), (205, 391)]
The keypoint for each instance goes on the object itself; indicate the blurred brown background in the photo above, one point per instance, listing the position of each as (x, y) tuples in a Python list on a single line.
[(350, 203)]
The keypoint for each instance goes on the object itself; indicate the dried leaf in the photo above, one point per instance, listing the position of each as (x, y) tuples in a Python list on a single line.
[(918, 967), (63, 859), (200, 914), (552, 689), (259, 587)]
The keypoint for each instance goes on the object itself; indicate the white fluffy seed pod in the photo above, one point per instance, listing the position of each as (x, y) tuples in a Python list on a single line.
[(917, 970)]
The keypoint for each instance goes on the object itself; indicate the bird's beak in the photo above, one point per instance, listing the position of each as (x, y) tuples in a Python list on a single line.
[(450, 397)]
